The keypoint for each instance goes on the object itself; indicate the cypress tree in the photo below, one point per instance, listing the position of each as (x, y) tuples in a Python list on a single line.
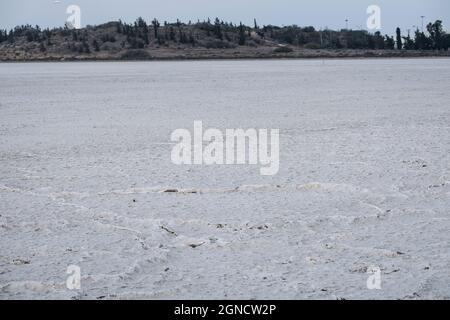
[(241, 34), (156, 25), (399, 39)]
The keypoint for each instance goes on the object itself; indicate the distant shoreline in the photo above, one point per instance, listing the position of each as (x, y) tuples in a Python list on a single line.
[(306, 54), (212, 40)]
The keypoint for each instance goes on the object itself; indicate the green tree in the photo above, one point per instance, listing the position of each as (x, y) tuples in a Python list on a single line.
[(446, 41), (119, 28), (155, 24), (86, 47), (255, 24), (408, 43), (172, 34), (242, 37), (419, 43), (389, 42), (96, 45), (218, 29), (377, 41), (11, 37), (3, 36), (399, 39), (141, 23), (180, 30), (436, 33)]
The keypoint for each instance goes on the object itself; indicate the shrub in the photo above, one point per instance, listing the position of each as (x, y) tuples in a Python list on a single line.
[(136, 54), (218, 44), (312, 45), (283, 50)]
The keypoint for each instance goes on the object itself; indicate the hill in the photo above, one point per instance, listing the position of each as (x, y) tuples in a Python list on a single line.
[(209, 40)]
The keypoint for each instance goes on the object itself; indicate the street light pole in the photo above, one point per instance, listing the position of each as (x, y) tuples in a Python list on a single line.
[(422, 22)]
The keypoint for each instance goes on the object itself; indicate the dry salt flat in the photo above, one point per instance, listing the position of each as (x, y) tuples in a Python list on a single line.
[(364, 180)]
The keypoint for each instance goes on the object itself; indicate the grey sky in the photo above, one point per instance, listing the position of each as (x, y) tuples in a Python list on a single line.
[(318, 13)]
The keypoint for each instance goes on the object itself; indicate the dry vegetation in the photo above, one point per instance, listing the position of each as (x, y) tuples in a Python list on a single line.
[(209, 40)]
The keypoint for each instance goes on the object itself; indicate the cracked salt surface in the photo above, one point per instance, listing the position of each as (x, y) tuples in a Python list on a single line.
[(86, 179)]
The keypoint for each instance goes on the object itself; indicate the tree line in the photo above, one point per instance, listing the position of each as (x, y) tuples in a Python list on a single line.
[(220, 34)]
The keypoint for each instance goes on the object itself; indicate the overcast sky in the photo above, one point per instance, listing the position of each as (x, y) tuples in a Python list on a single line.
[(318, 13)]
